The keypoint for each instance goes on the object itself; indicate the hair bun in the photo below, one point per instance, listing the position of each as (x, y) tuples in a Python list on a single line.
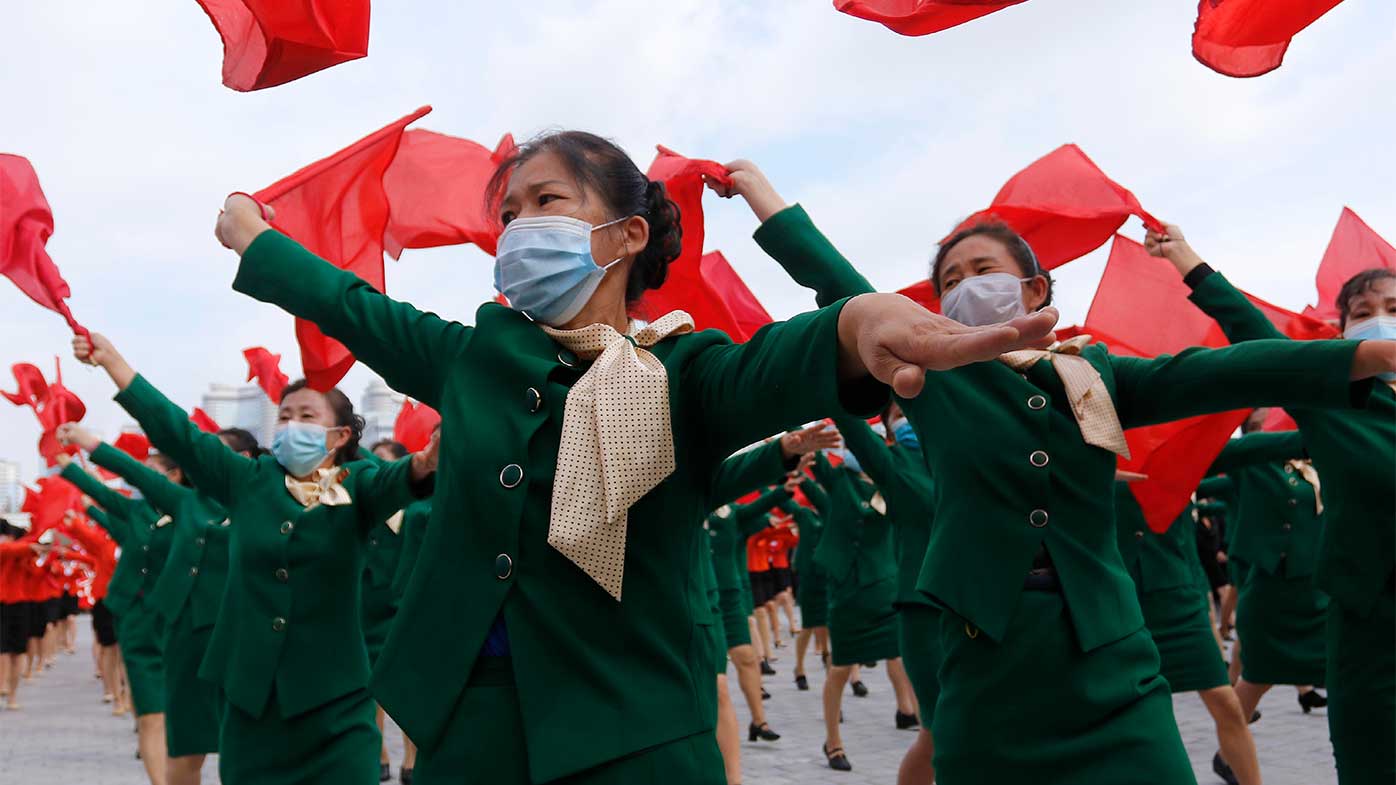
[(666, 237)]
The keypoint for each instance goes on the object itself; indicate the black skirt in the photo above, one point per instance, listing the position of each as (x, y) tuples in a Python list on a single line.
[(14, 627), (782, 579), (103, 625), (38, 619), (762, 587), (69, 606)]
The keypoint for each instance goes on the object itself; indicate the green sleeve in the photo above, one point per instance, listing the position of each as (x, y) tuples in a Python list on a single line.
[(1208, 509), (1215, 487), (751, 518), (383, 490), (872, 453), (1254, 448), (204, 459), (747, 471), (98, 514), (1258, 373), (117, 527), (160, 492), (1238, 318), (412, 350), (815, 492), (413, 526), (791, 238), (115, 503)]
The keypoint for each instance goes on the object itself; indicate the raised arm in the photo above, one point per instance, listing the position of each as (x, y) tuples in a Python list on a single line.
[(1215, 487), (747, 471), (411, 349), (874, 457), (116, 504), (388, 487), (1239, 319), (164, 495), (751, 518), (1256, 448)]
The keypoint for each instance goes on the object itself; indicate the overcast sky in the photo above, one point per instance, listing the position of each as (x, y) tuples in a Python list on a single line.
[(888, 141)]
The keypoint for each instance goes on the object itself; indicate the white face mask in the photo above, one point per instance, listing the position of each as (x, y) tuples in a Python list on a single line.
[(985, 299)]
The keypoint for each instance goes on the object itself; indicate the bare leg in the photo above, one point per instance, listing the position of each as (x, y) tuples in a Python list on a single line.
[(1233, 668), (12, 679), (1233, 733), (763, 626), (409, 752), (801, 646), (4, 675), (821, 643), (916, 768), (1250, 695), (901, 685), (184, 770), (729, 735), (773, 617), (833, 704), (383, 750), (749, 679), (1228, 610), (31, 663), (786, 600), (151, 728)]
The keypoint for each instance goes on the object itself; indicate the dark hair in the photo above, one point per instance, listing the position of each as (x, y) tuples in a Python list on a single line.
[(396, 448), (241, 440), (344, 417), (1017, 247), (168, 465), (599, 164), (1359, 284)]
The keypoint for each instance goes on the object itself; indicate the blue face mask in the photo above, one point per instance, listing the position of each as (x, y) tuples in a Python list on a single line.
[(906, 435), (1377, 328), (544, 266), (849, 459), (299, 447)]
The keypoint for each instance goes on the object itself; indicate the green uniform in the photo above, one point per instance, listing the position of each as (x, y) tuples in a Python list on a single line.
[(856, 552), (144, 536), (1021, 487), (288, 646), (413, 532), (379, 601), (187, 596), (1172, 593), (812, 593), (1222, 491), (1355, 454), (728, 529), (591, 687)]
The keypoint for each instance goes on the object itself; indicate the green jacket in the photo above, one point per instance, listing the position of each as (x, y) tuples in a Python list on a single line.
[(585, 665), (413, 533), (856, 549), (991, 424), (728, 530), (901, 474), (1156, 561), (1353, 451), (1222, 491), (811, 528), (196, 569), (289, 623), (1276, 522), (143, 534)]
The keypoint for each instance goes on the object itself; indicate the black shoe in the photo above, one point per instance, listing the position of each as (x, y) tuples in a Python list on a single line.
[(1222, 770), (761, 732), (1255, 717), (765, 696), (404, 776), (907, 721), (385, 772), (801, 683), (860, 689), (766, 669), (1311, 700), (840, 716), (837, 760), (872, 664)]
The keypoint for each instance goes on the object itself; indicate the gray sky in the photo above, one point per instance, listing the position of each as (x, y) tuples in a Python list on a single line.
[(888, 141)]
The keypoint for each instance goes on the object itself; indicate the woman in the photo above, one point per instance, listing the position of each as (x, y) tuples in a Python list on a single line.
[(546, 674), (15, 552), (287, 647), (1039, 612), (96, 541), (187, 595), (1355, 453), (379, 601), (812, 592), (145, 536)]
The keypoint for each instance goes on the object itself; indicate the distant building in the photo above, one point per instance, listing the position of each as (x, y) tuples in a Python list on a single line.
[(379, 408), (11, 492), (242, 406)]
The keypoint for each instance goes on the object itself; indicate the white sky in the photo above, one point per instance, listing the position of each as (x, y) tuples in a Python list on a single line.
[(887, 140)]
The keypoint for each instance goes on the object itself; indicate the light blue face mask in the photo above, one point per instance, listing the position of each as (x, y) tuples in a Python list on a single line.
[(299, 447), (1377, 328), (849, 459), (906, 435), (544, 266)]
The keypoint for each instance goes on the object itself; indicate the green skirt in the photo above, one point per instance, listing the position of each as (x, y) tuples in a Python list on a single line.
[(1035, 708), (918, 639), (1362, 692), (379, 608), (863, 624), (717, 641), (193, 707), (335, 744), (140, 633), (813, 598), (1280, 622), (486, 745), (1178, 622), (734, 620)]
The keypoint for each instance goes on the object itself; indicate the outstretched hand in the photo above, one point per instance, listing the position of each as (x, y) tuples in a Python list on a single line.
[(241, 220), (748, 182), (424, 462), (1171, 245), (72, 433), (891, 338), (820, 436)]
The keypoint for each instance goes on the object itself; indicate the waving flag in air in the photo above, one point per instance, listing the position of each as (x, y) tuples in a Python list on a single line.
[(271, 42), (265, 367), (1353, 248), (921, 17), (1245, 38), (26, 223)]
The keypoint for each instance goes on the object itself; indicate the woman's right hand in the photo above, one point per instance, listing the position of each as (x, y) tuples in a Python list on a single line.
[(1171, 245), (71, 433), (95, 349), (749, 183), (240, 221)]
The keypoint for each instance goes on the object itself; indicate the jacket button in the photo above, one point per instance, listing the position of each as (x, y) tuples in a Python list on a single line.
[(373, 541), (145, 571), (199, 542), (1037, 519), (278, 624), (286, 527), (503, 566), (194, 571), (1138, 535), (282, 575), (1037, 402), (1038, 458), (145, 548), (534, 399), (567, 358), (1294, 502), (510, 476), (1286, 527)]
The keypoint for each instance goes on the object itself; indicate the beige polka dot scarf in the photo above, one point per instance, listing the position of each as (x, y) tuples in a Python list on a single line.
[(617, 443), (324, 489), (1090, 401)]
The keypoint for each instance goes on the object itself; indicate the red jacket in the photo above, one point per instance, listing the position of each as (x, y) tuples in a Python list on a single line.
[(101, 549)]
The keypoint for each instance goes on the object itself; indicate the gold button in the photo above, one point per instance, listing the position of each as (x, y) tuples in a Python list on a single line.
[(972, 632), (1038, 458), (510, 476), (1037, 402)]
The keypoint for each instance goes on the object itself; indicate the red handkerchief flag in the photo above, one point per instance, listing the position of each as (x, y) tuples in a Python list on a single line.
[(265, 367), (272, 42), (921, 17), (414, 425), (338, 208), (436, 186), (205, 423), (26, 223), (1245, 38), (1353, 248)]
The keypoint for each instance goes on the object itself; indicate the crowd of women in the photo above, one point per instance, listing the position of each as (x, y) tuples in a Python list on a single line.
[(977, 543)]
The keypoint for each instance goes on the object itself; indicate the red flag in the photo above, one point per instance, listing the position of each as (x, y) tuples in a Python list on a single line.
[(1064, 206), (338, 209), (714, 295), (921, 17), (47, 505), (205, 423), (26, 222), (33, 387), (272, 42), (133, 444), (923, 293), (1279, 420), (414, 425), (436, 186), (683, 180), (1353, 248), (1249, 37), (265, 367)]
